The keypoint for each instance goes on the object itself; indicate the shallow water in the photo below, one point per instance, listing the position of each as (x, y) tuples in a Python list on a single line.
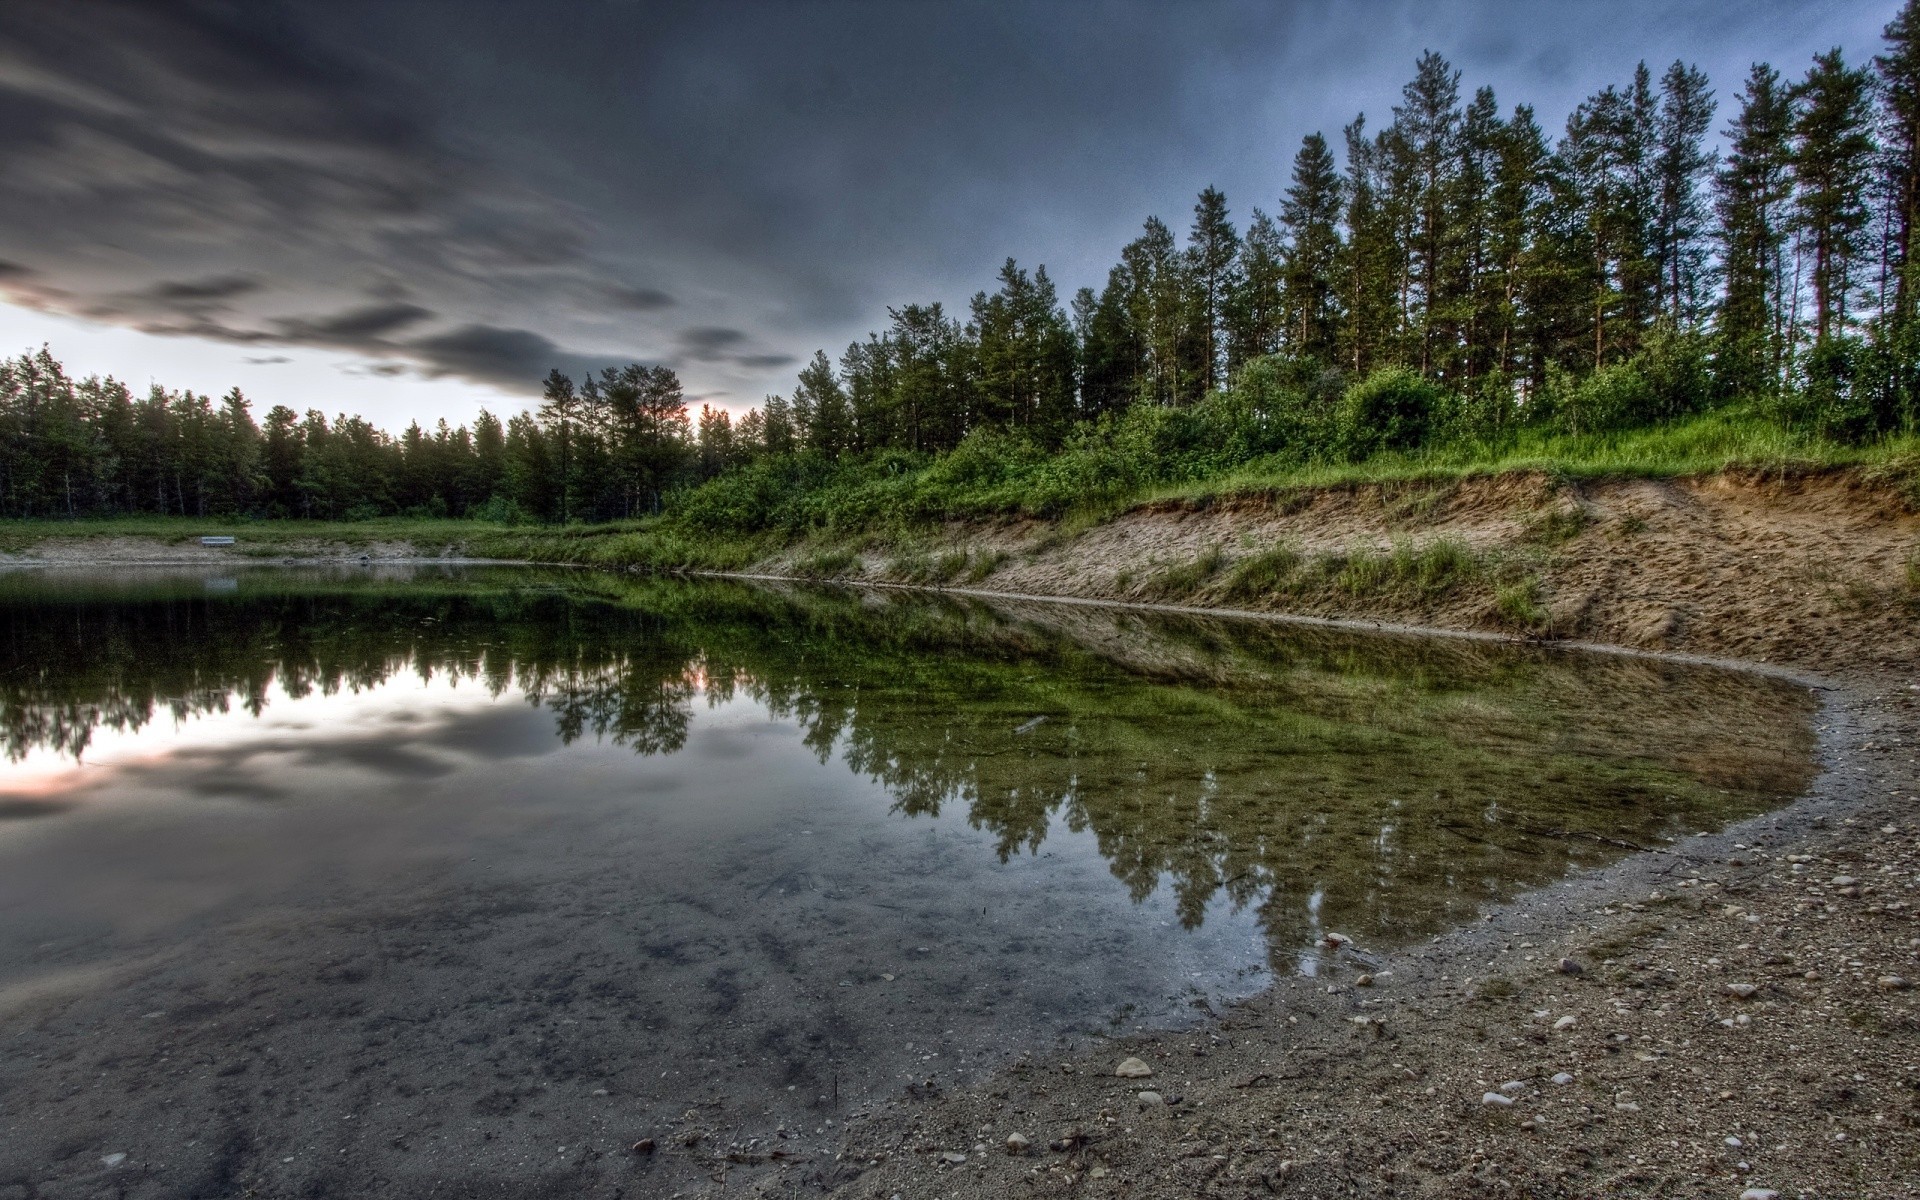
[(429, 872)]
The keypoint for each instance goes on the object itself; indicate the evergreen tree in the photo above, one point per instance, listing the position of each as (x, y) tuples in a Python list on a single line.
[(1427, 128), (828, 421), (1113, 354), (1752, 192), (1898, 70), (1832, 156), (1155, 293), (559, 413), (1681, 164), (1310, 216), (1256, 312), (1212, 258)]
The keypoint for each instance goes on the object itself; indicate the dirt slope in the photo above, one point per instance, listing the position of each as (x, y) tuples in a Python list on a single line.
[(1812, 571)]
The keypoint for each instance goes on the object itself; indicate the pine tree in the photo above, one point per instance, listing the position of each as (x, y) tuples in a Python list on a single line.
[(1472, 292), (1212, 257), (1521, 263), (1156, 290), (1427, 123), (829, 422), (1256, 313), (1751, 194), (1310, 216), (559, 410), (1371, 259), (1832, 156), (1898, 70), (1682, 162), (1113, 355)]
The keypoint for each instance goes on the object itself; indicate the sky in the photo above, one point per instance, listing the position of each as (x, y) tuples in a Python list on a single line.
[(413, 209)]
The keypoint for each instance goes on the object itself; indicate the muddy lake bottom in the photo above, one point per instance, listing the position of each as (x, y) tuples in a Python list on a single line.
[(408, 881)]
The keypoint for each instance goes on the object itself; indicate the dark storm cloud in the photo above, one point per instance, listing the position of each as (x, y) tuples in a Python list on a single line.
[(497, 175), (509, 357), (355, 327), (711, 342), (202, 291), (141, 138), (639, 299)]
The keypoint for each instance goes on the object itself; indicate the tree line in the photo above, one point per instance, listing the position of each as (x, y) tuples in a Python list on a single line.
[(1456, 271)]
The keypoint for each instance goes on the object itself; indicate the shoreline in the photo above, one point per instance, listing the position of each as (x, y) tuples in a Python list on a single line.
[(1323, 1086)]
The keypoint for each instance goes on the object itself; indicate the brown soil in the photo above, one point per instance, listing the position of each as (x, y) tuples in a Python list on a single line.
[(1809, 571)]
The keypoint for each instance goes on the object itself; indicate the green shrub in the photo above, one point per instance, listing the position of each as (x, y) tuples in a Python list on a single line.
[(1391, 409)]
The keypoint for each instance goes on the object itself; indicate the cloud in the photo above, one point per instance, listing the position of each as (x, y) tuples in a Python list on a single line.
[(510, 357), (267, 360), (359, 328), (766, 362), (710, 343), (287, 164), (639, 299), (198, 292), (777, 174)]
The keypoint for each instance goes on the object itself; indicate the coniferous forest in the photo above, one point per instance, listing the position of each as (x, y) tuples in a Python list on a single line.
[(1454, 275)]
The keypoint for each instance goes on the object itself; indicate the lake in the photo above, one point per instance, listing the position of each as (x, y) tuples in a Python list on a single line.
[(343, 881)]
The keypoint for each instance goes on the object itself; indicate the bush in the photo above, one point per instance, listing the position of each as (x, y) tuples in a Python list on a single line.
[(1614, 397), (500, 510), (1835, 399), (1391, 409)]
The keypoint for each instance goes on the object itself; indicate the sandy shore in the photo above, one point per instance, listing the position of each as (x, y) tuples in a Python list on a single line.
[(1737, 1014)]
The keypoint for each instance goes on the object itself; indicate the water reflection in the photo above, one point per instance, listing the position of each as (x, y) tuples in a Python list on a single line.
[(1385, 786)]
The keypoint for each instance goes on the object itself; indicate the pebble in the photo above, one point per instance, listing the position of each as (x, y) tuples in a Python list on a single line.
[(1150, 1099), (1511, 1086), (643, 1146), (1759, 1194), (1133, 1068), (1743, 990), (1496, 1100), (1892, 983), (114, 1159), (952, 1158), (1364, 981), (1566, 1022), (1561, 1079), (1844, 881), (1017, 1143), (1567, 966), (1336, 940)]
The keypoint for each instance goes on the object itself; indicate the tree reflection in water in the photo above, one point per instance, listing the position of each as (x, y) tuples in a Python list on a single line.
[(1390, 784)]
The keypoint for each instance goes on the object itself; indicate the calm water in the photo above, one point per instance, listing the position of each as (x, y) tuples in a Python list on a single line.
[(491, 871)]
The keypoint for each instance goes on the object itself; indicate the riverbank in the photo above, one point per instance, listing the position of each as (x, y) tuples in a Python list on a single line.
[(1736, 1017), (1680, 1081), (1735, 1014)]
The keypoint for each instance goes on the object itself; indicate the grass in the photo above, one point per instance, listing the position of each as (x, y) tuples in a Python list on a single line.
[(1518, 604), (832, 562), (19, 535), (1183, 580), (1728, 439), (1556, 526)]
